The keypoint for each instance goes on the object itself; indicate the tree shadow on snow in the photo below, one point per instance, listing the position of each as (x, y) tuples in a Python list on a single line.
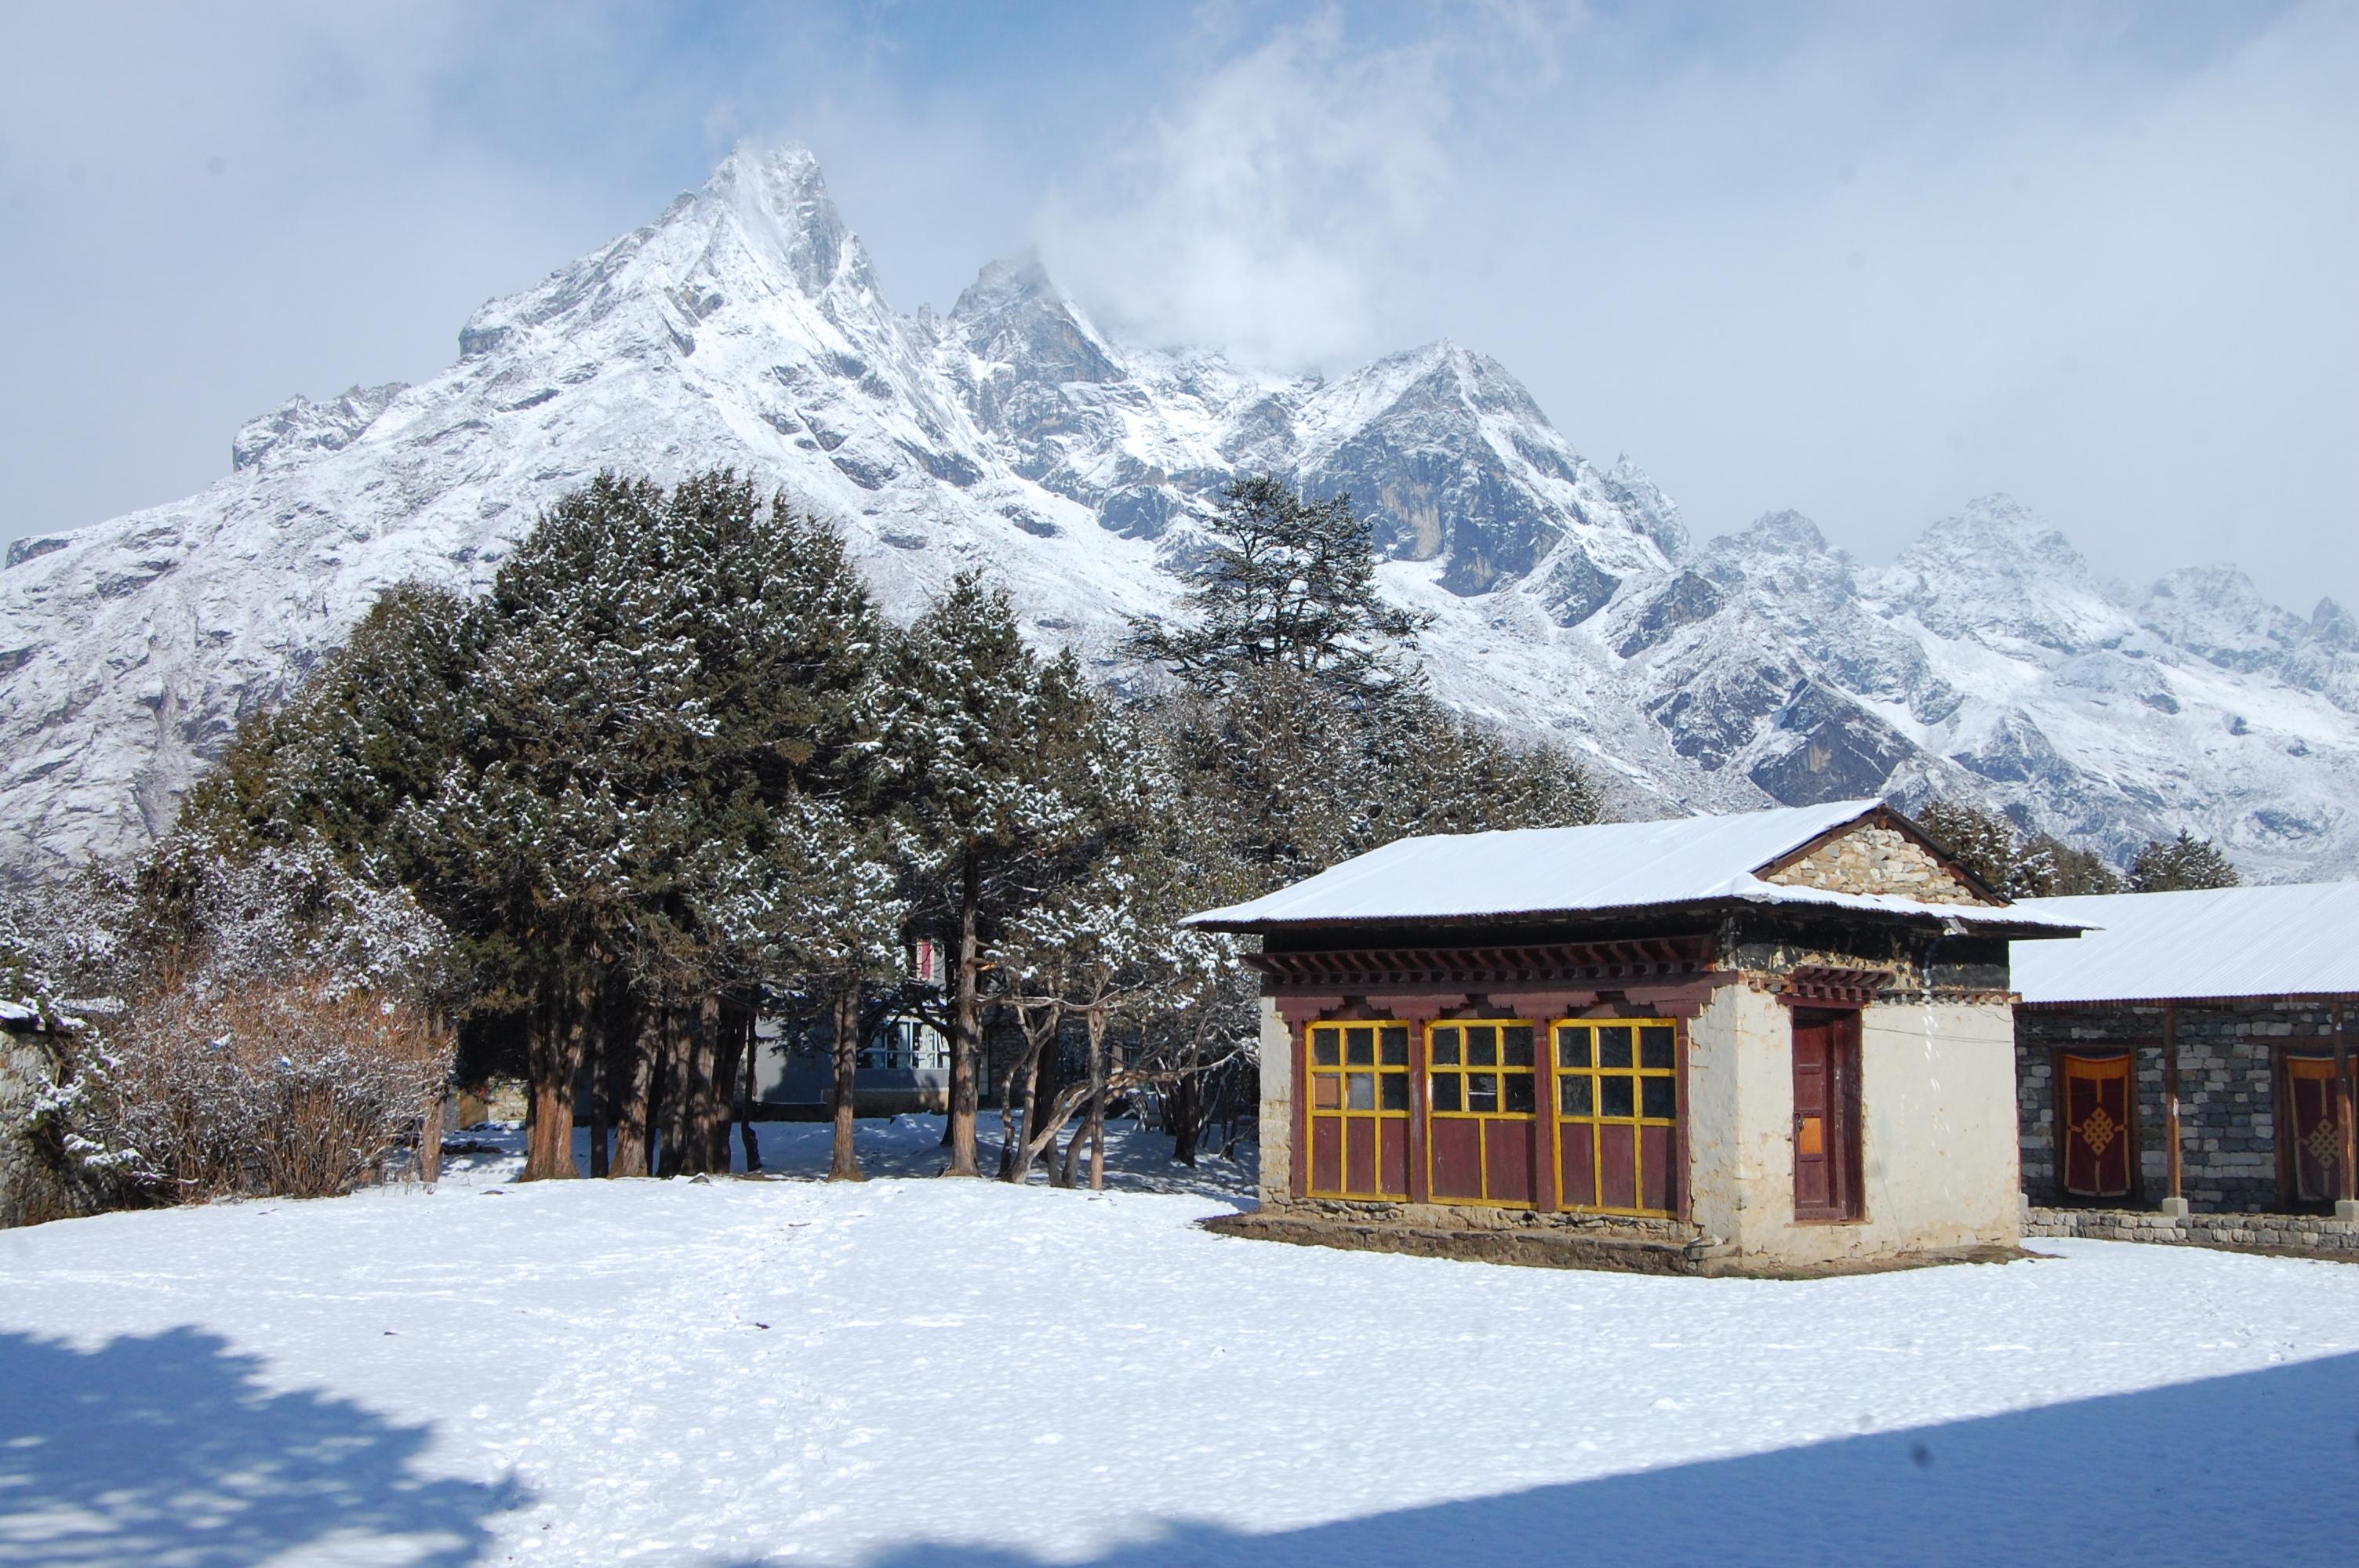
[(2260, 1467), (169, 1449)]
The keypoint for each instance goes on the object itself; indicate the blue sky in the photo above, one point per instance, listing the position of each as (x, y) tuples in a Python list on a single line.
[(1864, 261)]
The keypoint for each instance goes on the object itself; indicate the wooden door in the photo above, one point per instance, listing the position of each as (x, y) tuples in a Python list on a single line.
[(2096, 1126), (1359, 1110), (2315, 1133), (1826, 1115)]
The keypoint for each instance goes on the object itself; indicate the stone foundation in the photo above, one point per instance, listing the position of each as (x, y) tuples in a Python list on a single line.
[(2312, 1234)]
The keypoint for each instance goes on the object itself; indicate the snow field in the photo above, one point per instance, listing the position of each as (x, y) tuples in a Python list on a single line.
[(921, 1371)]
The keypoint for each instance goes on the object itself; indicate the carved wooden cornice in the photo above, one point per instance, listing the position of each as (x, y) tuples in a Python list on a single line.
[(1826, 983), (1644, 958)]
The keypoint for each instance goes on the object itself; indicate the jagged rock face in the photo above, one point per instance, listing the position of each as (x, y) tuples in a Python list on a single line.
[(745, 327)]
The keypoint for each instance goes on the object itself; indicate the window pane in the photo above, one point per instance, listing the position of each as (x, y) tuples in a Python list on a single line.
[(1572, 1046), (1660, 1096), (1519, 1093), (1362, 1095), (1482, 1091), (1360, 1047), (1395, 1090), (1396, 1048), (1516, 1045), (1326, 1092), (1614, 1096), (1325, 1049), (1572, 1096), (1445, 1091), (1483, 1046), (1655, 1047), (1445, 1047), (1614, 1046)]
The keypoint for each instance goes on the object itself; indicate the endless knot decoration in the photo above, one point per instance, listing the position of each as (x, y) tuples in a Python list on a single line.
[(2098, 1130), (2324, 1144)]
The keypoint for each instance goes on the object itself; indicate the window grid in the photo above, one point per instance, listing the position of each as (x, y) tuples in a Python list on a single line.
[(1483, 1070), (1619, 1073), (1359, 1081)]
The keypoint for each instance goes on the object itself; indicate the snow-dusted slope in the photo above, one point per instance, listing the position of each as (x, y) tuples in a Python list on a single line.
[(745, 327)]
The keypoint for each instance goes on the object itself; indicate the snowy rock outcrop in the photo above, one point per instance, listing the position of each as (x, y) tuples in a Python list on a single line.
[(745, 327)]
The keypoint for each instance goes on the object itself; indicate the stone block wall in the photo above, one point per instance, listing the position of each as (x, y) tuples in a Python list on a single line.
[(1871, 860), (2279, 1232), (2227, 1094)]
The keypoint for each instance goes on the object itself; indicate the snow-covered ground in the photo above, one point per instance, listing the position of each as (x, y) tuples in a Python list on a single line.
[(965, 1375)]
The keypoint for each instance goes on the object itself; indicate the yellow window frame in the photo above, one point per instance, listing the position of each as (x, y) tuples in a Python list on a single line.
[(1348, 1062), (1586, 1085), (1453, 1067)]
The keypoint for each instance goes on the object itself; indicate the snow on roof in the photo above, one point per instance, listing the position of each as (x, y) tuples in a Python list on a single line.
[(2220, 942), (1580, 870)]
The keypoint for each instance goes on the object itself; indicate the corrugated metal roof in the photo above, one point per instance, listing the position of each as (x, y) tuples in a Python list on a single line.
[(1577, 871), (2222, 942)]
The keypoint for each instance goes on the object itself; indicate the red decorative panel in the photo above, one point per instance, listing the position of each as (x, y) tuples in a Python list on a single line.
[(1395, 1154), (1618, 1145), (2099, 1152), (1657, 1183), (1507, 1160), (1577, 1172), (1360, 1155), (2317, 1140), (1326, 1153), (1457, 1157)]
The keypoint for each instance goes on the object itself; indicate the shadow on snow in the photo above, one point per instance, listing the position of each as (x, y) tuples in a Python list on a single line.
[(169, 1449), (2253, 1468)]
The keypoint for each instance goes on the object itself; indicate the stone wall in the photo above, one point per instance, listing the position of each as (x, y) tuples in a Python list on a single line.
[(2291, 1232), (2227, 1095), (1871, 859)]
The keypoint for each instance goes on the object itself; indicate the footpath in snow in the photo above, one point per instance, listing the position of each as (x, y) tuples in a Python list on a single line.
[(918, 1373)]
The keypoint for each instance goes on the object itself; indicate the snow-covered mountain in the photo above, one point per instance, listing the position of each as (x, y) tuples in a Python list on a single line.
[(745, 327)]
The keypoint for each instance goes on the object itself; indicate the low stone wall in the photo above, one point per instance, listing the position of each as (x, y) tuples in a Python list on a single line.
[(2276, 1232)]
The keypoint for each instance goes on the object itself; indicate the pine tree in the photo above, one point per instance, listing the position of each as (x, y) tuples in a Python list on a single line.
[(991, 752), (1286, 583), (2181, 864)]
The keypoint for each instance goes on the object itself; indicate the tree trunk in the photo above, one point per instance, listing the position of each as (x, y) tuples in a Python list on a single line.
[(676, 1095), (1185, 1103), (429, 1135), (844, 1057), (1096, 1022), (750, 1055), (554, 1056), (601, 1075), (966, 1038), (631, 1080), (721, 1078)]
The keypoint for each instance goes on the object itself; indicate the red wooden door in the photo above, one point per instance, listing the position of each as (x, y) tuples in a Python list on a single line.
[(2317, 1134), (2094, 1127), (1826, 1115)]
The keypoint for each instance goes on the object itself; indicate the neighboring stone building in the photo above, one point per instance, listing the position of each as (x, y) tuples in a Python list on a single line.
[(1746, 1043), (2191, 1056)]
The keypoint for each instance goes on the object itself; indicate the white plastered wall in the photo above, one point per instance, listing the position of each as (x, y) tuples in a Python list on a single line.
[(1937, 1136), (1276, 1104)]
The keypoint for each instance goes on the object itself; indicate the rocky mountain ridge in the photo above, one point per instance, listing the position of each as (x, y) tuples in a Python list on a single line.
[(745, 327)]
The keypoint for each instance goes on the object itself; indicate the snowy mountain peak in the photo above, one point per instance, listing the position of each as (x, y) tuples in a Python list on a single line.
[(781, 198), (743, 327)]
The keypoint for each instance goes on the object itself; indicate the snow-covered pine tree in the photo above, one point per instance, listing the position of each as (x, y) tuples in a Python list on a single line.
[(2181, 864), (1283, 582), (990, 748)]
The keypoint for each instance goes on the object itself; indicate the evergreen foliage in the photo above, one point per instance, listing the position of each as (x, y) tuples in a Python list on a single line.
[(2180, 864), (674, 767), (1283, 583), (2015, 863)]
